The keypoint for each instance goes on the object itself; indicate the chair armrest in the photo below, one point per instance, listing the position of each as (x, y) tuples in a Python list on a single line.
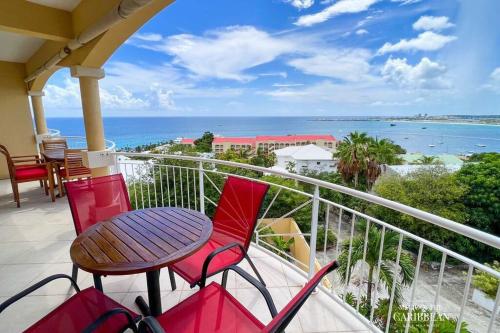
[(23, 156), (36, 286), (256, 283), (150, 325), (108, 314), (209, 258)]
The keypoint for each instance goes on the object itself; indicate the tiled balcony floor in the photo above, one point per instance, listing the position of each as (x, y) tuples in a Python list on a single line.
[(35, 241)]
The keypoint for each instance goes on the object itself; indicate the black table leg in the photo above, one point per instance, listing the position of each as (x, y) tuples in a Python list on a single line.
[(97, 282), (153, 281)]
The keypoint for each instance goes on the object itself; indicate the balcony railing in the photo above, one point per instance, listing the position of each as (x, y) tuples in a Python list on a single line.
[(79, 142), (195, 183)]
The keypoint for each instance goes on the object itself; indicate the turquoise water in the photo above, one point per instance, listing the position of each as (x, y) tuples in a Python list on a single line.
[(446, 138)]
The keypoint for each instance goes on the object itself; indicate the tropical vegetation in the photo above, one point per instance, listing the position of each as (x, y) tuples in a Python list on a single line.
[(486, 282)]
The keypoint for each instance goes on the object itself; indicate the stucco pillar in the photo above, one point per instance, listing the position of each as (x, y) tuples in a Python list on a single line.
[(38, 111), (91, 106)]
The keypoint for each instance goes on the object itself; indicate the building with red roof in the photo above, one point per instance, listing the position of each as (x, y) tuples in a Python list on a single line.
[(270, 142), (187, 141)]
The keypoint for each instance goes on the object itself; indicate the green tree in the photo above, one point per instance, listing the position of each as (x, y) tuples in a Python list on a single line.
[(427, 160), (432, 190), (352, 155), (386, 274), (204, 144)]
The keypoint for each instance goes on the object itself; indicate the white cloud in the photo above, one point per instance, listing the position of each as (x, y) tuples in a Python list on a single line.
[(494, 81), (424, 75), (224, 53), (300, 4), (279, 74), (426, 41), (338, 8), (348, 65), (361, 32), (406, 2), (148, 37), (436, 23), (287, 85)]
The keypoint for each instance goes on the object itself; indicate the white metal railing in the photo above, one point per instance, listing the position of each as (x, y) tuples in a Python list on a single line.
[(54, 132), (79, 141), (173, 180)]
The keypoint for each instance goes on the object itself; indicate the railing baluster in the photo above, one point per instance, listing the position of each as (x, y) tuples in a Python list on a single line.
[(438, 292), (314, 232), (135, 187), (194, 189), (182, 188), (364, 261), (161, 187), (394, 282), (379, 263), (414, 288), (154, 186), (327, 218), (339, 230), (494, 313), (201, 187), (142, 190), (175, 186), (168, 185), (187, 185), (464, 299), (347, 275), (149, 193)]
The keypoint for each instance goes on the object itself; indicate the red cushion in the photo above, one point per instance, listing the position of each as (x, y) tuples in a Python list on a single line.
[(190, 268), (35, 172), (212, 309), (81, 310)]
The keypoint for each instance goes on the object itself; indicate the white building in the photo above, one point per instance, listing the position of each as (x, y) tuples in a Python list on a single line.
[(303, 159)]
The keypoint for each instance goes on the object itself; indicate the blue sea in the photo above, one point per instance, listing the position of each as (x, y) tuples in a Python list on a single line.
[(426, 138)]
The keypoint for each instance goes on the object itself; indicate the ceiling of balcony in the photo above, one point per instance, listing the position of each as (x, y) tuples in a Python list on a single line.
[(67, 5), (18, 46)]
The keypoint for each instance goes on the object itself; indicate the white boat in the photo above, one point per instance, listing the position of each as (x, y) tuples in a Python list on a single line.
[(432, 146), (480, 145)]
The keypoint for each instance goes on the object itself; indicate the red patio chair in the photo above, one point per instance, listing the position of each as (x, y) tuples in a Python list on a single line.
[(215, 310), (94, 200), (27, 168), (88, 310), (233, 225)]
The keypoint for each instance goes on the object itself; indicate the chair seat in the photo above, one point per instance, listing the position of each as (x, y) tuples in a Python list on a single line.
[(33, 172), (190, 268), (80, 311), (212, 309), (74, 172)]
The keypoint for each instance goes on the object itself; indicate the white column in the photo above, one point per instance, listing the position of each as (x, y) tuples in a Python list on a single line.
[(91, 106)]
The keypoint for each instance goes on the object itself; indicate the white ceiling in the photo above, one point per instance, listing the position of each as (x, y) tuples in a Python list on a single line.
[(67, 5), (18, 48)]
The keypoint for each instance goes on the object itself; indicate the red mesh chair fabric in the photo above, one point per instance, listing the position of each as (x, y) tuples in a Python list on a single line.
[(234, 222), (97, 199), (79, 311)]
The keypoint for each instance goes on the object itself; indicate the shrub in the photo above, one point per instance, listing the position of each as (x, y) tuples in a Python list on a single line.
[(487, 283)]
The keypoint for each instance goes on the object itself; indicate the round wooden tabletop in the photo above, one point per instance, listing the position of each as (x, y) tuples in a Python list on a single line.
[(140, 241)]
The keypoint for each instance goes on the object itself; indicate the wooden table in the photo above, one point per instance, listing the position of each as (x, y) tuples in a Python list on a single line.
[(54, 155), (141, 241)]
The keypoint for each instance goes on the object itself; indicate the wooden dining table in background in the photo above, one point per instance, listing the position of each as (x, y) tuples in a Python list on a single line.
[(55, 157), (141, 241)]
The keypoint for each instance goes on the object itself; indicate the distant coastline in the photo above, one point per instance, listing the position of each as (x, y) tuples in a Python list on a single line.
[(448, 122)]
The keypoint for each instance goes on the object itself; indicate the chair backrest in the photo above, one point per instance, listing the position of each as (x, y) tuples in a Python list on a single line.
[(237, 211), (54, 144), (96, 199), (285, 316), (73, 163), (10, 164)]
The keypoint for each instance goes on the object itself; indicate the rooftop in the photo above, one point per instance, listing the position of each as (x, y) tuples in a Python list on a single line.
[(35, 242), (304, 153)]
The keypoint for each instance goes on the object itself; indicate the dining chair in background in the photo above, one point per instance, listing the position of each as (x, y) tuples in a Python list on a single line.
[(234, 222), (54, 144), (27, 168), (94, 200), (72, 168)]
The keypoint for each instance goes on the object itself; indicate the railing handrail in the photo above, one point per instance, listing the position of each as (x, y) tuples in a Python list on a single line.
[(110, 145), (451, 225)]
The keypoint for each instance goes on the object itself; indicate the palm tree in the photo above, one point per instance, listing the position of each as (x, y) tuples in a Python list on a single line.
[(352, 152), (386, 274), (380, 153), (427, 160)]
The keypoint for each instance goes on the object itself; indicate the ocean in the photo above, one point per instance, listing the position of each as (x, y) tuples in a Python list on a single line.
[(427, 138)]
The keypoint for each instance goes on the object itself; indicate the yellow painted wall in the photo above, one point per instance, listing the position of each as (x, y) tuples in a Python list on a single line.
[(16, 124)]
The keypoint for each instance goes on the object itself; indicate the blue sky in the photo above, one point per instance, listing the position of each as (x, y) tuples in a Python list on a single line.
[(302, 57)]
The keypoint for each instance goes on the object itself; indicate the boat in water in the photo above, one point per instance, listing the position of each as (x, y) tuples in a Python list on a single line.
[(432, 146), (480, 145), (393, 124)]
